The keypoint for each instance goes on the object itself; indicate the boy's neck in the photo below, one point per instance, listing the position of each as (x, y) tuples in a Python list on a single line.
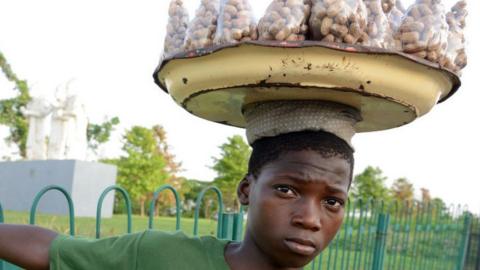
[(246, 255)]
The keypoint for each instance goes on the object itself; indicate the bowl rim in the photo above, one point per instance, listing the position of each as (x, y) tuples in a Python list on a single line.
[(348, 48)]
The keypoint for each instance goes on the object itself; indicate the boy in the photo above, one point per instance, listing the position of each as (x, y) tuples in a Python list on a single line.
[(296, 189)]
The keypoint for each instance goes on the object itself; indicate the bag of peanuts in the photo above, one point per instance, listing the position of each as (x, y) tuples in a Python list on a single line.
[(388, 5), (285, 20), (201, 30), (399, 5), (455, 57), (340, 21), (236, 22), (395, 17), (378, 28), (176, 28), (424, 31)]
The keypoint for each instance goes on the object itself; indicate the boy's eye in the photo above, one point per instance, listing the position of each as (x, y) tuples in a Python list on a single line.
[(286, 190), (333, 203)]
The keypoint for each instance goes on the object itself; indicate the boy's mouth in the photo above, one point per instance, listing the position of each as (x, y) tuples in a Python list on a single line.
[(300, 246)]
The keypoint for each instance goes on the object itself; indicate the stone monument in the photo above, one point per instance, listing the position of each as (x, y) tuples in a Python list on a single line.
[(36, 112), (62, 163), (58, 136), (76, 146)]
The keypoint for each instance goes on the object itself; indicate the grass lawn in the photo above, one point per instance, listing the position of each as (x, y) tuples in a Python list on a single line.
[(116, 225)]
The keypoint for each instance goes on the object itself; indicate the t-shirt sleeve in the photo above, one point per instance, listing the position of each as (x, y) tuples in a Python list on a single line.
[(119, 253)]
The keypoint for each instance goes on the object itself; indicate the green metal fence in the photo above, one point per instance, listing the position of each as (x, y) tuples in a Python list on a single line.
[(473, 251), (400, 236), (374, 235)]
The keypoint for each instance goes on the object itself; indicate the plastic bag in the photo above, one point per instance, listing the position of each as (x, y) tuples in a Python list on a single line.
[(378, 27), (455, 57), (388, 5), (341, 21), (395, 17), (176, 28), (236, 22), (285, 20), (424, 30), (201, 30), (399, 5)]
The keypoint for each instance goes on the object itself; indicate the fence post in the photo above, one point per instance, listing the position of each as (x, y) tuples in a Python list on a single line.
[(1, 214), (238, 225), (380, 241), (42, 192), (462, 255), (478, 248), (100, 204), (151, 211), (198, 203), (227, 226)]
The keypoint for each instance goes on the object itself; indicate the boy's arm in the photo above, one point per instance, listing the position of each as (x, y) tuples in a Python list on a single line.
[(26, 246)]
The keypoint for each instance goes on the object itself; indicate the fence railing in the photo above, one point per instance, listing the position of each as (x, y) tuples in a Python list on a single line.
[(374, 235), (473, 250), (400, 236)]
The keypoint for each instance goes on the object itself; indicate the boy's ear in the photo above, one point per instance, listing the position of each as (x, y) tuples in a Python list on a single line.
[(243, 190)]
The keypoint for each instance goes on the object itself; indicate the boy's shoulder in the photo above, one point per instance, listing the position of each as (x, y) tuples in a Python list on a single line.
[(183, 251)]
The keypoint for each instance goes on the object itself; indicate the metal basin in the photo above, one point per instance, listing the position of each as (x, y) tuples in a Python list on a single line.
[(390, 89)]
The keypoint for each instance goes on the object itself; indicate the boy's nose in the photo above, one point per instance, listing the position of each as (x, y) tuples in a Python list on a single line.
[(307, 216)]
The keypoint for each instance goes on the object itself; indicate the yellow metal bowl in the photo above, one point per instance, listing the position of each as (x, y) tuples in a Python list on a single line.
[(390, 89)]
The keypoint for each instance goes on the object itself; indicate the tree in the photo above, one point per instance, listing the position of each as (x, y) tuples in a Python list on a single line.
[(231, 167), (98, 134), (172, 167), (143, 169), (10, 113), (370, 184), (440, 208), (426, 197), (190, 190), (402, 190)]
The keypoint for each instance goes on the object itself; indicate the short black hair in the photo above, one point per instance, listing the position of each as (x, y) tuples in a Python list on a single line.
[(269, 149)]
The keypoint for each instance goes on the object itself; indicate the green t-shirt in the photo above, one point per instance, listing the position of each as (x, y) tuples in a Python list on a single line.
[(141, 251)]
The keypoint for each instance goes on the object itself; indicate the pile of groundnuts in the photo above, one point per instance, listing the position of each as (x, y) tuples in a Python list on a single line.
[(425, 29)]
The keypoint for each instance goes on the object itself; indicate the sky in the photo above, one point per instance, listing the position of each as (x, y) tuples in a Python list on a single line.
[(111, 48)]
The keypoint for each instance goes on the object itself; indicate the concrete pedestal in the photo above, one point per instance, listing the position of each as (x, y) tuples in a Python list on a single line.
[(84, 181)]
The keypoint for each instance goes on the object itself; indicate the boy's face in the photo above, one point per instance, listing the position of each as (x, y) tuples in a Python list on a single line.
[(296, 206)]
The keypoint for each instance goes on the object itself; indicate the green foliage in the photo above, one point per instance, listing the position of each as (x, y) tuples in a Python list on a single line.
[(190, 188), (98, 134), (10, 113), (231, 167), (189, 191), (370, 184), (143, 169), (402, 190), (440, 204)]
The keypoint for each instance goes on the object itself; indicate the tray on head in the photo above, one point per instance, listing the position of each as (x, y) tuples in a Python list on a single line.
[(389, 88)]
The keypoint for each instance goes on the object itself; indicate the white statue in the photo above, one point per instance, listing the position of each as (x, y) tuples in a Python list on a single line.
[(58, 130), (76, 146), (68, 131), (36, 112)]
